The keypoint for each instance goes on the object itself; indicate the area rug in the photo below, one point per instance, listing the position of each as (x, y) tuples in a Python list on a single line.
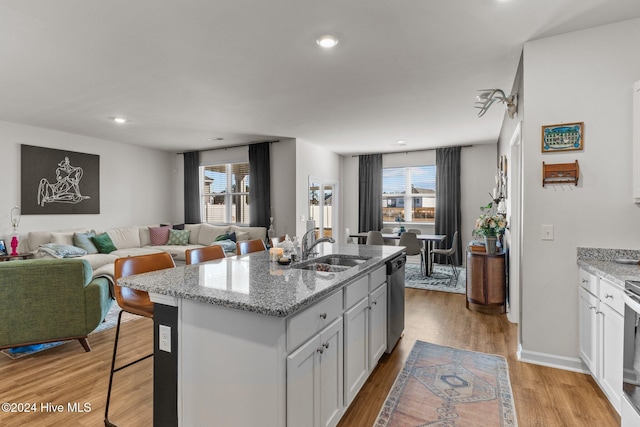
[(444, 386), (110, 321), (440, 280)]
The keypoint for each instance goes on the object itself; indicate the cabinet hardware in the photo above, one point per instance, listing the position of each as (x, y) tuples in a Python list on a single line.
[(320, 350), (591, 307), (325, 345), (323, 315), (608, 296)]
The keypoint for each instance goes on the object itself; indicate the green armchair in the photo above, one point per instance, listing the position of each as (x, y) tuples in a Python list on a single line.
[(46, 300)]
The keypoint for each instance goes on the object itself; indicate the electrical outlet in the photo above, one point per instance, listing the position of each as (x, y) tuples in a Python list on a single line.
[(547, 232), (165, 338)]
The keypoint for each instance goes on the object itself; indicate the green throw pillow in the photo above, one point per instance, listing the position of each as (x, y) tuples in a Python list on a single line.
[(83, 240), (179, 237), (104, 243), (222, 237)]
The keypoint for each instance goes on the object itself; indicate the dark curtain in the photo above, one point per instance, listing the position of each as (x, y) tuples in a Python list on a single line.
[(370, 193), (192, 187), (448, 216), (260, 185)]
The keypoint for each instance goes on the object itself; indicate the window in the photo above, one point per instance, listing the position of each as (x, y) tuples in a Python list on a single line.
[(226, 193), (409, 192)]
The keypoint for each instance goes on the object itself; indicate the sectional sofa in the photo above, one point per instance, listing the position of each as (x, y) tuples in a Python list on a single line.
[(136, 240)]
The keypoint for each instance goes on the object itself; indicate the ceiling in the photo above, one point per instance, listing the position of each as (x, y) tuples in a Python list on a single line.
[(186, 71)]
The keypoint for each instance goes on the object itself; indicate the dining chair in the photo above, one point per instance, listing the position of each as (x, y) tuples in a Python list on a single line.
[(248, 246), (133, 301), (413, 246), (374, 238), (389, 242), (414, 231), (206, 253), (349, 239), (448, 253)]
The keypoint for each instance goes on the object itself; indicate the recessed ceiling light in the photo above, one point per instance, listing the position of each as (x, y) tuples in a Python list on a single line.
[(401, 142), (327, 41), (216, 139), (120, 120)]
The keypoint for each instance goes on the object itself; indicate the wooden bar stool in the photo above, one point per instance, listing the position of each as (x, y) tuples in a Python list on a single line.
[(134, 302), (247, 246), (207, 253)]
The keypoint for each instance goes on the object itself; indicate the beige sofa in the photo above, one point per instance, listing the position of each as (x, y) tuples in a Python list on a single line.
[(136, 240)]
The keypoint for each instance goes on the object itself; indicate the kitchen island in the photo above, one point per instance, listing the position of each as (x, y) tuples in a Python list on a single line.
[(256, 343)]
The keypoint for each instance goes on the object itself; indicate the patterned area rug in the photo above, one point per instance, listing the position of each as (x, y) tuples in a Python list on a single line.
[(110, 321), (444, 386), (440, 280)]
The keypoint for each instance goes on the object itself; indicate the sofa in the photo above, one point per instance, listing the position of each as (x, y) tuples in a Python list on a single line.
[(137, 240), (46, 300)]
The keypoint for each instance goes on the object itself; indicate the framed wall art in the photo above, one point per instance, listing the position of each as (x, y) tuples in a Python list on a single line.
[(59, 181), (563, 137)]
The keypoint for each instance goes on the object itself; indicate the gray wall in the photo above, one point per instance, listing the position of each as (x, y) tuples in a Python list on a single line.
[(131, 192), (585, 76)]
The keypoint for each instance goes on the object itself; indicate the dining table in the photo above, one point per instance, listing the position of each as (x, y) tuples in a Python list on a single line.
[(427, 243)]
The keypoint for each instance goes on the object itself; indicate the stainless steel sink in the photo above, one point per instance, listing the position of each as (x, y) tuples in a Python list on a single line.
[(331, 263)]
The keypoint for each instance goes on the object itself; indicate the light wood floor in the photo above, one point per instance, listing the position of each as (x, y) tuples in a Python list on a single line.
[(544, 397)]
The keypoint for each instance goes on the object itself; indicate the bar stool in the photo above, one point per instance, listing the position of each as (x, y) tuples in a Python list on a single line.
[(247, 246), (134, 302), (206, 253)]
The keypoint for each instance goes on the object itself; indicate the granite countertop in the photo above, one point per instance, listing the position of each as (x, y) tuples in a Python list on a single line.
[(602, 262), (252, 283)]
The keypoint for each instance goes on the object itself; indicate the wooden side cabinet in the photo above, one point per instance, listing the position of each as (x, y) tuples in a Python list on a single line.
[(486, 282)]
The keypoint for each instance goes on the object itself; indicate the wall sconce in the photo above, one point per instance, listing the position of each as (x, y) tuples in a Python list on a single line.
[(489, 96)]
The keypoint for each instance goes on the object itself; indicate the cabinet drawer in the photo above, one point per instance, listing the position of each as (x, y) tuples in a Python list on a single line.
[(355, 291), (377, 277), (305, 324), (611, 295), (589, 281)]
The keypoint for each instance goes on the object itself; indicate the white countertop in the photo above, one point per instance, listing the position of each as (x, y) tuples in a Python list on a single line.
[(252, 283)]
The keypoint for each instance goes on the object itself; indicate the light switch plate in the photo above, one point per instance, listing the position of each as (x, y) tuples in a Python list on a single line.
[(547, 232), (165, 338)]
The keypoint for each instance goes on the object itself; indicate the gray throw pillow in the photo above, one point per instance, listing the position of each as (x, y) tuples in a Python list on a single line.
[(83, 240)]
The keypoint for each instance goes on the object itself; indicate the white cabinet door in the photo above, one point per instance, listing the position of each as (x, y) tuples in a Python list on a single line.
[(612, 343), (636, 142), (377, 325), (303, 384), (589, 330), (356, 348), (331, 375)]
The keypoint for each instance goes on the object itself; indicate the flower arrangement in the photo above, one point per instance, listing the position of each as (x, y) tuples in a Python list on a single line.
[(489, 224)]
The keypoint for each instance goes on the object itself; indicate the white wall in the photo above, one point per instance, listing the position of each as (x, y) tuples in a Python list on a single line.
[(313, 160), (131, 192), (283, 186), (478, 169), (585, 76)]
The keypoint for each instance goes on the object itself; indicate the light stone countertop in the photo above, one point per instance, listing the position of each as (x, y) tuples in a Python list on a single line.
[(252, 283), (602, 262)]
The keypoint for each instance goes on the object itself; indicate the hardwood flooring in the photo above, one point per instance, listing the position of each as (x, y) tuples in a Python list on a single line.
[(65, 375)]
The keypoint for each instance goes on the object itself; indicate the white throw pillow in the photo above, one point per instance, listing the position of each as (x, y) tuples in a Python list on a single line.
[(125, 237)]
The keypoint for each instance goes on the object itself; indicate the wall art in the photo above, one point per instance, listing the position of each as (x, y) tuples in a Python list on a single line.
[(563, 137), (59, 181)]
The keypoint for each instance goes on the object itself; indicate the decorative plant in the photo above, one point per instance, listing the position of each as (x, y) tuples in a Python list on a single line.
[(489, 224)]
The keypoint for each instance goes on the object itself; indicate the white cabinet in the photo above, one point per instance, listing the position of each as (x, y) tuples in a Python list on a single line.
[(314, 380), (612, 341), (377, 325), (365, 330), (356, 348), (601, 333), (588, 329), (333, 347)]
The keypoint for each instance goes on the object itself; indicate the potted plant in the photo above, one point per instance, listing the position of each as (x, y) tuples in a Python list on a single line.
[(490, 225), (399, 220)]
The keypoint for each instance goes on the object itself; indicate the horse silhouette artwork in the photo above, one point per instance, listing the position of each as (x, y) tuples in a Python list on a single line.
[(66, 189)]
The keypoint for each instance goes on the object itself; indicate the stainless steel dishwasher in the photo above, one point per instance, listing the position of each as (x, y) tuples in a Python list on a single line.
[(395, 296)]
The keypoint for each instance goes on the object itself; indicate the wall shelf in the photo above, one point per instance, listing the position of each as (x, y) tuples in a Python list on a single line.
[(560, 173)]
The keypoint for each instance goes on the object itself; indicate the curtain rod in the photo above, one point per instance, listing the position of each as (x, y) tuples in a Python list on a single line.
[(415, 151), (229, 146)]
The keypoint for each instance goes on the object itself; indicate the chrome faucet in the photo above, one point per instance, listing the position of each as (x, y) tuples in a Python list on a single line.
[(306, 248)]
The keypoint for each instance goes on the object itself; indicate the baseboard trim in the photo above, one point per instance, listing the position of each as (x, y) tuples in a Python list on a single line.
[(572, 364)]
